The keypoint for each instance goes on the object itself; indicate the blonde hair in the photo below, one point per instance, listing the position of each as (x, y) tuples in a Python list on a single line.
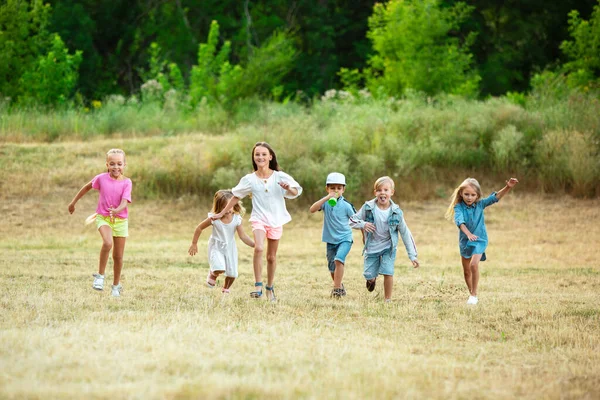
[(221, 199), (115, 151), (382, 180), (457, 195)]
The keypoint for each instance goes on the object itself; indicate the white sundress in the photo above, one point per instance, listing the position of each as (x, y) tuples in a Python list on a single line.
[(222, 249)]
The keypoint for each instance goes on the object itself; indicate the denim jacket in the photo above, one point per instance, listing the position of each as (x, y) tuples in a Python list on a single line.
[(396, 224)]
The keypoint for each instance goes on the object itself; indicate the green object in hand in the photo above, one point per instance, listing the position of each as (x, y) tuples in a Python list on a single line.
[(332, 201)]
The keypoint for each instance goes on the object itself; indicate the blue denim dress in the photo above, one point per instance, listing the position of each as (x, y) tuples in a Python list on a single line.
[(472, 217)]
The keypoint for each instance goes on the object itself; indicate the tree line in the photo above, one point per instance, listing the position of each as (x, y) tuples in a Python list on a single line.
[(60, 51)]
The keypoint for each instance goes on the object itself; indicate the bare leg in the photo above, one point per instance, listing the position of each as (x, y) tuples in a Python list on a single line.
[(107, 243), (333, 277), (259, 247), (466, 264), (228, 282), (338, 274), (475, 273), (118, 250), (271, 263), (388, 285)]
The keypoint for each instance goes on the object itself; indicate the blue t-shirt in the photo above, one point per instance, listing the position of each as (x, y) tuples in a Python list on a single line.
[(472, 217), (335, 222)]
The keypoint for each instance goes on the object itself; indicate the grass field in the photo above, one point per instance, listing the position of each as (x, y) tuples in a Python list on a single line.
[(534, 334)]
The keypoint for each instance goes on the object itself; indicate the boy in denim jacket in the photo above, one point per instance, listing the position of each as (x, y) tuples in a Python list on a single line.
[(382, 219)]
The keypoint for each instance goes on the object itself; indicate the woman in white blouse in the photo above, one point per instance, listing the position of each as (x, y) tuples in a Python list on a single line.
[(269, 188)]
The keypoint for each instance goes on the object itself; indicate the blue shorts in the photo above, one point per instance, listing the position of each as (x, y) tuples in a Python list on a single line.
[(337, 252), (381, 263)]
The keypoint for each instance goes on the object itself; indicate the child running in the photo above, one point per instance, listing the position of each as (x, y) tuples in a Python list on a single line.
[(111, 215), (336, 231), (466, 209), (382, 219), (222, 249), (269, 188)]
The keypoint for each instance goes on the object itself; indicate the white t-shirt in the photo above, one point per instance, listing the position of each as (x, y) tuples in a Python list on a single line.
[(268, 198), (381, 240)]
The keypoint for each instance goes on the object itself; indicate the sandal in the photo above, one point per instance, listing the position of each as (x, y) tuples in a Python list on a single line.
[(257, 293), (211, 280), (225, 291), (272, 290)]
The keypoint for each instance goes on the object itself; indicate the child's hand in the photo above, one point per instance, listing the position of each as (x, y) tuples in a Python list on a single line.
[(71, 208), (111, 213), (512, 182), (217, 216), (415, 263), (370, 227), (193, 250), (472, 237), (284, 185)]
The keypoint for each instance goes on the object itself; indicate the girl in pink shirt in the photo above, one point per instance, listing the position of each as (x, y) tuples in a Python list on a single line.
[(111, 215)]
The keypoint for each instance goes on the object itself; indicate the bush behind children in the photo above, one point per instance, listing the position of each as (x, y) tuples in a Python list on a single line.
[(380, 220)]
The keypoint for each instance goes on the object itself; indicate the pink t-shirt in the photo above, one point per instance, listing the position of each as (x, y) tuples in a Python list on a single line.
[(111, 193)]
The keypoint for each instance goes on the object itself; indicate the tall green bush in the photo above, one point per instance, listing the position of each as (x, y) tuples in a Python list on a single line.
[(583, 51), (214, 79), (53, 78), (415, 50), (24, 37)]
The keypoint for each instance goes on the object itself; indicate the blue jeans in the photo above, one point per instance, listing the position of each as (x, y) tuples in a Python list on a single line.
[(337, 252)]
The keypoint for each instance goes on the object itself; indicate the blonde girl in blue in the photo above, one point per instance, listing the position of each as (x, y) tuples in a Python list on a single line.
[(466, 210), (222, 249)]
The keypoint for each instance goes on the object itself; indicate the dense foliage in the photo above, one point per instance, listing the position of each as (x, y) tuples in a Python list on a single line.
[(503, 44)]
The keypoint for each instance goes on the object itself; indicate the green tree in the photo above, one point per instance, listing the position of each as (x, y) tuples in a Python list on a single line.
[(53, 78), (23, 38), (414, 49), (583, 51), (268, 65), (517, 38)]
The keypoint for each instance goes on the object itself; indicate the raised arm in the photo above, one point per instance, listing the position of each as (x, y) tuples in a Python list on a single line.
[(86, 188), (319, 203), (201, 226), (230, 204), (509, 185)]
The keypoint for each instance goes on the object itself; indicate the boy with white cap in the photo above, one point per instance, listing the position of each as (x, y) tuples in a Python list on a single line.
[(336, 231)]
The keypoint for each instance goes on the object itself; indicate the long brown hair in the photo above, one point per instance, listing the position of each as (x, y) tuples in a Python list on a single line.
[(273, 163), (457, 195)]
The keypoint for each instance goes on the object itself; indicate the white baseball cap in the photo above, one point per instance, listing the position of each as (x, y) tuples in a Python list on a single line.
[(336, 178)]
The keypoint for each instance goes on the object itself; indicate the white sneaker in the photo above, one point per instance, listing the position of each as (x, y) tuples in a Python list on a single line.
[(472, 300), (98, 282), (116, 290)]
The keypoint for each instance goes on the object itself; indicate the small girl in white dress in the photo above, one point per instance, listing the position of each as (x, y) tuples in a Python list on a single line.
[(222, 249)]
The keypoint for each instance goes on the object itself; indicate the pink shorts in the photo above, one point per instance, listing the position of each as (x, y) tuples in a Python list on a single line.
[(273, 233)]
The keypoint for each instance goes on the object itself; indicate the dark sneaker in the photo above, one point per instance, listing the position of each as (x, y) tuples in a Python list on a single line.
[(343, 290), (371, 284), (337, 293)]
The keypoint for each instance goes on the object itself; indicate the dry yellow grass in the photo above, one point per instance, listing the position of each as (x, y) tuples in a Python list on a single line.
[(535, 333)]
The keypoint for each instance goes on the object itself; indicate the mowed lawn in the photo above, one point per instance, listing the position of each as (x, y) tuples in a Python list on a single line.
[(534, 334)]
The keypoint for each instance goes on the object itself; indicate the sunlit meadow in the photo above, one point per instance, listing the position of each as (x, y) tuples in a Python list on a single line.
[(534, 334)]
